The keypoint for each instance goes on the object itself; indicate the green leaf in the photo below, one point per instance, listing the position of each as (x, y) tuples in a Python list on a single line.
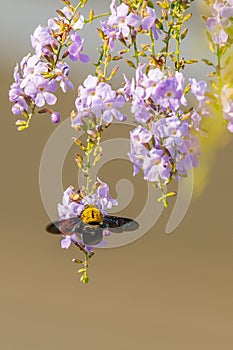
[(130, 63), (163, 4), (91, 15), (117, 58), (43, 110), (209, 63), (211, 46), (79, 144), (97, 159), (145, 47), (77, 261), (187, 17), (66, 2), (184, 33), (114, 71), (83, 2), (150, 4), (84, 279), (23, 127), (171, 194), (60, 13), (79, 160), (187, 88), (211, 74), (101, 33), (20, 122), (191, 61)]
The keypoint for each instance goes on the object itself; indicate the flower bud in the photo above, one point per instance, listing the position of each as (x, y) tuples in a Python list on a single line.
[(55, 117)]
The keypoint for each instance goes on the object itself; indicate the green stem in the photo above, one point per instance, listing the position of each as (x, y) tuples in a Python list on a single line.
[(97, 16), (106, 63), (77, 7), (152, 42), (136, 52), (218, 68), (57, 56), (168, 40), (88, 170), (178, 51)]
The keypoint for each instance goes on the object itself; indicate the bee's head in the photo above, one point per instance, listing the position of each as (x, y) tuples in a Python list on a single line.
[(91, 215)]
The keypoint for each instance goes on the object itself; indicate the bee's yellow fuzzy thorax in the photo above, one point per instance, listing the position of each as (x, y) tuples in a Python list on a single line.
[(91, 214)]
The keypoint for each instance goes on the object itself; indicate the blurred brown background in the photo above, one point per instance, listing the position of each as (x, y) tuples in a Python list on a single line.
[(161, 292)]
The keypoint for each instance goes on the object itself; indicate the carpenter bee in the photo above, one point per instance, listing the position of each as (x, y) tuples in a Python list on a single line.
[(91, 224)]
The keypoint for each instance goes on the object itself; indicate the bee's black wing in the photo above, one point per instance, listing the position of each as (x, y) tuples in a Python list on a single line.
[(92, 234), (65, 227), (117, 224), (88, 234)]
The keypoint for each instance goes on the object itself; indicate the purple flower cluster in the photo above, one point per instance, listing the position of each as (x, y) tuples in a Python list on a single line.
[(165, 151), (101, 199), (163, 145), (37, 77), (220, 24), (154, 93), (125, 21), (97, 99)]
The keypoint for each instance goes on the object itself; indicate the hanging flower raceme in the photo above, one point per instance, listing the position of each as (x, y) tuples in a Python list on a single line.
[(220, 24), (98, 101), (164, 140), (38, 76), (125, 22), (163, 145)]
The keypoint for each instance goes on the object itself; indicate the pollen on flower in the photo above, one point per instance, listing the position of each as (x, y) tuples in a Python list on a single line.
[(169, 94)]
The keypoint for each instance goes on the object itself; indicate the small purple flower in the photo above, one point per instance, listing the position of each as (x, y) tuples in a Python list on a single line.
[(68, 240), (149, 20), (196, 119), (76, 47), (220, 25), (198, 89), (169, 93), (106, 232), (40, 38), (104, 200), (20, 106), (68, 12), (41, 90), (138, 138), (68, 208), (111, 33), (171, 131), (151, 81), (16, 94), (111, 111), (62, 72), (156, 166), (30, 68), (121, 20), (188, 157)]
